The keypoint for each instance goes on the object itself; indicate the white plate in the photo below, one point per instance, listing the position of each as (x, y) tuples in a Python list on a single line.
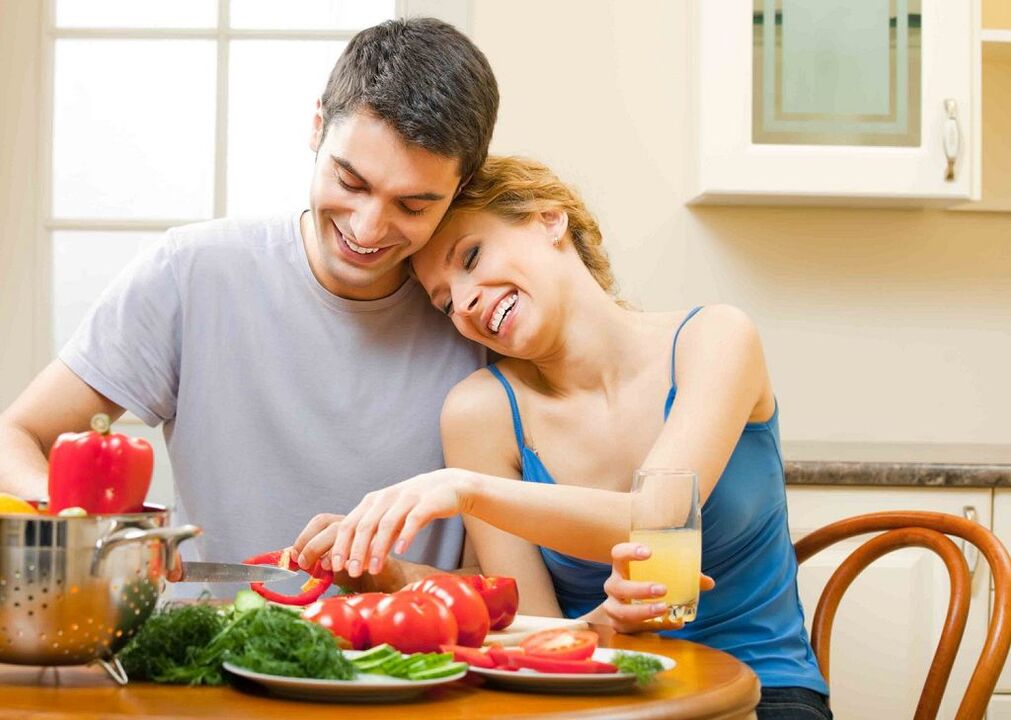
[(576, 683), (523, 625), (365, 688)]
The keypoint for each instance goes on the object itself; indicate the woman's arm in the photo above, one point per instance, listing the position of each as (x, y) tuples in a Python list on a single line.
[(722, 382)]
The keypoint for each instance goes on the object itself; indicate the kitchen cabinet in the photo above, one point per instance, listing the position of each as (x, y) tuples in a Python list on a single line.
[(890, 618), (995, 120), (857, 102)]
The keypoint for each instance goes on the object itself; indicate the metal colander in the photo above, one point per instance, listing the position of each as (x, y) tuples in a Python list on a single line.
[(73, 590)]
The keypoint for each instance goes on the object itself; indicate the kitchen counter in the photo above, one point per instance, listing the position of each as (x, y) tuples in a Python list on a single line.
[(898, 464), (897, 474)]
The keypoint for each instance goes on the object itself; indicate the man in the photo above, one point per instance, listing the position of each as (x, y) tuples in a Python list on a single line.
[(292, 362)]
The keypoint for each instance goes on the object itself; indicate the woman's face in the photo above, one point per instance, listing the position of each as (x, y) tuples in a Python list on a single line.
[(497, 281)]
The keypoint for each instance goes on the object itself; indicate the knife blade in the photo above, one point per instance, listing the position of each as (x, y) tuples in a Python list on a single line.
[(232, 572)]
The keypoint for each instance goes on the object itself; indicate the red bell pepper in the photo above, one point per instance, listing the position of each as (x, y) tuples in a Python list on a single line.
[(317, 584), (99, 471), (500, 595)]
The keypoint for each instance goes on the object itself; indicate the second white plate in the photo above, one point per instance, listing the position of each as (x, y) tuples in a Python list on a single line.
[(568, 683)]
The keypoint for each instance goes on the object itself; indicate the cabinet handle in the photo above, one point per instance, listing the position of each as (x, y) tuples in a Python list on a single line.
[(970, 551), (952, 138)]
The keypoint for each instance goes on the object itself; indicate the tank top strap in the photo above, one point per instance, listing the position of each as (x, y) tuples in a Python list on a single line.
[(517, 424), (674, 345)]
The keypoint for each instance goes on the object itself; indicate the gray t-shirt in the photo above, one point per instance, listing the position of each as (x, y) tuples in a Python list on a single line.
[(279, 399)]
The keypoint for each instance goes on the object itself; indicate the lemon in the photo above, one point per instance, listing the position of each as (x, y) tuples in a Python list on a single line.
[(13, 505)]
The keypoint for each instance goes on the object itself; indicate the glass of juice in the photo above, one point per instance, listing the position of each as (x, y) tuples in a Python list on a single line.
[(667, 519)]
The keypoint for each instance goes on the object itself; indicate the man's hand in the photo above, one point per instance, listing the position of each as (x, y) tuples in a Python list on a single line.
[(384, 520), (632, 618)]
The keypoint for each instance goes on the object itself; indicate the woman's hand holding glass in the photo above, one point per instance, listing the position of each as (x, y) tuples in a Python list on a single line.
[(385, 520), (626, 605)]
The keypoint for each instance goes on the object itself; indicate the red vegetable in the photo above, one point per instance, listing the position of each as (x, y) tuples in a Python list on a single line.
[(500, 596), (318, 583), (365, 603), (561, 644), (463, 601), (99, 471), (502, 657), (341, 619), (412, 622), (476, 657), (555, 665)]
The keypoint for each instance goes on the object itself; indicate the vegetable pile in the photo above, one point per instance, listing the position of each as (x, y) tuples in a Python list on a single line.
[(188, 644)]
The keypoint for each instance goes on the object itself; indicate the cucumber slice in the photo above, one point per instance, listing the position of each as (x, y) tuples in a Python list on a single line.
[(248, 600), (379, 651), (438, 671)]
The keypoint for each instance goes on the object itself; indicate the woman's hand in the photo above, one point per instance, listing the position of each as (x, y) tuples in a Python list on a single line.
[(385, 519), (640, 617)]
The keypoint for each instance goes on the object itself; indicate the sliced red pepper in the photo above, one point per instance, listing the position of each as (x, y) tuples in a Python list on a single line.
[(317, 584), (551, 665), (475, 657)]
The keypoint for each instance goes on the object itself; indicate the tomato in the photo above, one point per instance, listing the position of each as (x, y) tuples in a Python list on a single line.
[(463, 601), (365, 603), (500, 596), (412, 622), (472, 656), (556, 665), (561, 644), (338, 616)]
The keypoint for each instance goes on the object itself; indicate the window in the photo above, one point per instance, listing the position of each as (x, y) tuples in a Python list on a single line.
[(165, 112)]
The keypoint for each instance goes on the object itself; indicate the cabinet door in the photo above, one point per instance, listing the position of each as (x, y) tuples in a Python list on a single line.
[(835, 101), (1000, 708), (1002, 529), (890, 618)]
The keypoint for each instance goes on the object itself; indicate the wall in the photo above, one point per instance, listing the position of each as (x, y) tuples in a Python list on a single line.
[(888, 332)]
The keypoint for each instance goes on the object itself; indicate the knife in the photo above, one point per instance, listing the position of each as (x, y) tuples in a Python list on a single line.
[(232, 572)]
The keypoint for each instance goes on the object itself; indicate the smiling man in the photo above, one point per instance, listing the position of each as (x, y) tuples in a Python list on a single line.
[(293, 363)]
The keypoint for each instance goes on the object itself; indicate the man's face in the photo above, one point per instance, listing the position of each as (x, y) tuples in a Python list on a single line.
[(374, 201)]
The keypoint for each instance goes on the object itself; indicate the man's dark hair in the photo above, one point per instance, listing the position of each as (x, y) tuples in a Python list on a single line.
[(425, 79)]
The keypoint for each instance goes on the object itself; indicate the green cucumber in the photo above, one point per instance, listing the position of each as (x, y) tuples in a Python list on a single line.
[(439, 671), (383, 651), (248, 600)]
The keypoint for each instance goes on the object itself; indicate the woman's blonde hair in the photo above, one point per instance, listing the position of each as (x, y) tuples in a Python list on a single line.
[(517, 189)]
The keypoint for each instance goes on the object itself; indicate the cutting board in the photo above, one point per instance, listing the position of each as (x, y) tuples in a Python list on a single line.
[(524, 625)]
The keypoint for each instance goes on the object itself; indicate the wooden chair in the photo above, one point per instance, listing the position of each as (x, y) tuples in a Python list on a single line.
[(928, 530)]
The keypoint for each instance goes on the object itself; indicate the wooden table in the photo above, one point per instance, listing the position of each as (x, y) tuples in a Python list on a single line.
[(706, 685)]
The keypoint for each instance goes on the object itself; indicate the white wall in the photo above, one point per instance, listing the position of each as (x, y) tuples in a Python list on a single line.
[(882, 327)]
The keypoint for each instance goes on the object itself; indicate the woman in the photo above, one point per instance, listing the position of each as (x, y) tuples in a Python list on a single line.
[(587, 392)]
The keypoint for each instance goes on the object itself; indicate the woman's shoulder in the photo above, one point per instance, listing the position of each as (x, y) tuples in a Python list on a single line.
[(719, 323), (479, 400)]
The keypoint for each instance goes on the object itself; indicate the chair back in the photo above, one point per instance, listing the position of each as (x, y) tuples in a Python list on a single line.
[(928, 530)]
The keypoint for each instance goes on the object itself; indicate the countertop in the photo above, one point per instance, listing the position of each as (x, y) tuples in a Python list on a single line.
[(898, 465)]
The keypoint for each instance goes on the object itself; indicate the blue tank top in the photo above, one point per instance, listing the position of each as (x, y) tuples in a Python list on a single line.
[(754, 612)]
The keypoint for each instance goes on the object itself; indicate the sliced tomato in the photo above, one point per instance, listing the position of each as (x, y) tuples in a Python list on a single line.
[(555, 665), (561, 644), (474, 657)]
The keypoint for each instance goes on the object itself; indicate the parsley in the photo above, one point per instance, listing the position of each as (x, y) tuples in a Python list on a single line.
[(643, 667), (188, 644)]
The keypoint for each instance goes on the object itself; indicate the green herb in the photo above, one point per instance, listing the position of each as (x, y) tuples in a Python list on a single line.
[(643, 667), (188, 644), (279, 643)]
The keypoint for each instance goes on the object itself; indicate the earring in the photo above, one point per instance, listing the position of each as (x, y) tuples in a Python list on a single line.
[(556, 239)]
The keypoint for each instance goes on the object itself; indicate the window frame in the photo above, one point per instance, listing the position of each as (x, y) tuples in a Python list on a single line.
[(457, 12)]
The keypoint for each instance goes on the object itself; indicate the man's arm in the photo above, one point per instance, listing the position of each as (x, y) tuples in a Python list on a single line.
[(55, 402)]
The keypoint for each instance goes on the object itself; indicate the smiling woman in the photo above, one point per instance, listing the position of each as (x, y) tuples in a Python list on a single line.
[(592, 390)]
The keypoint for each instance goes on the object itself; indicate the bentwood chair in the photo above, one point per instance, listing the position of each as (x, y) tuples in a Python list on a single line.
[(927, 530)]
